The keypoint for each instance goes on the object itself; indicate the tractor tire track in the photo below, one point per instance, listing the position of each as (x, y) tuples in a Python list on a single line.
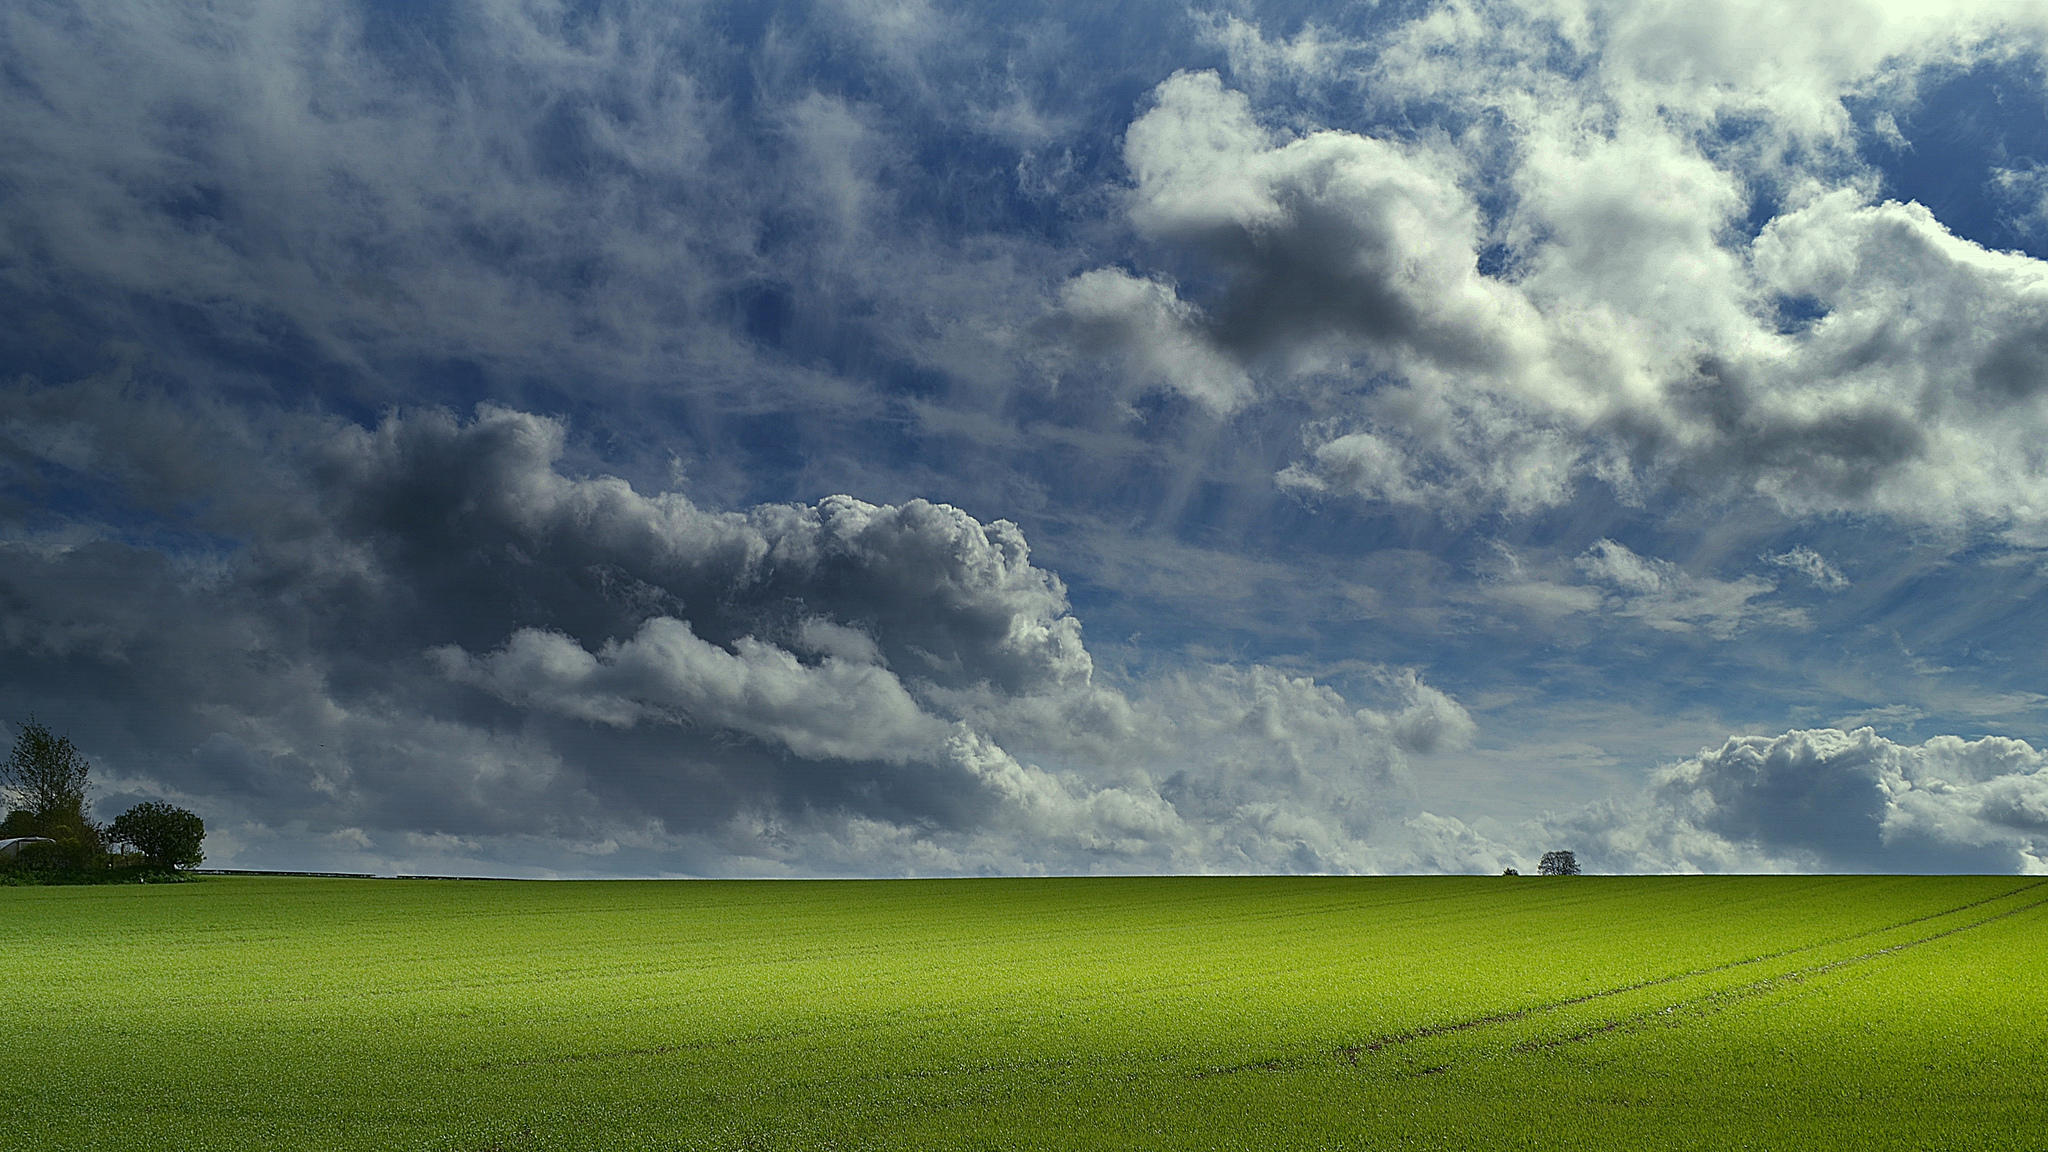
[(1728, 997), (1353, 1053)]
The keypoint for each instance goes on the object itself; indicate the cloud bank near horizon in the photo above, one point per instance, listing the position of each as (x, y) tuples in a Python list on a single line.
[(830, 688)]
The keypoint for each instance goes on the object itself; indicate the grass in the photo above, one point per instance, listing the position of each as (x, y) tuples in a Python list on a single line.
[(1324, 1013)]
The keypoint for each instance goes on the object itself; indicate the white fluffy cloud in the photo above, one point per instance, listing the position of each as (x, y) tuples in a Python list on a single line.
[(1331, 243), (1211, 768), (1628, 332), (1155, 333), (1830, 800)]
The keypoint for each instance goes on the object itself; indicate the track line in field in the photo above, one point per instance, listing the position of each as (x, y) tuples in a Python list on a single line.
[(1353, 1053), (1725, 997), (630, 1053)]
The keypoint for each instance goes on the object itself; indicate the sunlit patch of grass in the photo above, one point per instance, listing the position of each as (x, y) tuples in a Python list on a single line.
[(1656, 1012)]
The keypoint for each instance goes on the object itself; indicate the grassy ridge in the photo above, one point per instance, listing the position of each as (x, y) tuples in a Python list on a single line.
[(1682, 1012)]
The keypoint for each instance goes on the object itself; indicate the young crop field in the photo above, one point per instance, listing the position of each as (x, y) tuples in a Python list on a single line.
[(1197, 1013)]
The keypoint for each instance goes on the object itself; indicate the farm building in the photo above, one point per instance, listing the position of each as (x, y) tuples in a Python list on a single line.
[(11, 848)]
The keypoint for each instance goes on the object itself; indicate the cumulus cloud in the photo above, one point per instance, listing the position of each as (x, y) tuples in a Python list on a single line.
[(1332, 236), (1429, 719), (1829, 800), (478, 513), (1608, 318), (1157, 334)]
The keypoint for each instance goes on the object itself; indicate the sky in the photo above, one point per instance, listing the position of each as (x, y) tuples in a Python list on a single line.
[(592, 438)]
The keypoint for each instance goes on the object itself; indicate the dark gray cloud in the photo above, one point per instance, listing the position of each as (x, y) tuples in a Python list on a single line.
[(475, 522), (425, 641)]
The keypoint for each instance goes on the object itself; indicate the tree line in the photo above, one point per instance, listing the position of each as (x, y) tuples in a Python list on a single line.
[(48, 835)]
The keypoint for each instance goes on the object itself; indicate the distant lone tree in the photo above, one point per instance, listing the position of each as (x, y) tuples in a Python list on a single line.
[(1558, 864), (1509, 872), (166, 834)]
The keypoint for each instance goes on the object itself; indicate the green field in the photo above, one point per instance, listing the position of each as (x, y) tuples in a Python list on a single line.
[(1457, 1013)]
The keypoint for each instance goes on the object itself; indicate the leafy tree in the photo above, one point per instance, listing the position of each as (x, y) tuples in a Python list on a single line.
[(48, 775), (47, 772), (79, 847), (1558, 864), (165, 833)]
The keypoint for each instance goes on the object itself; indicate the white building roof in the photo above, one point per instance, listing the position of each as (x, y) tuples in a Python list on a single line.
[(13, 845)]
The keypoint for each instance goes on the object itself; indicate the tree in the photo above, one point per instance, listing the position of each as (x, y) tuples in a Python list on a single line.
[(48, 775), (165, 833), (1558, 864), (47, 772)]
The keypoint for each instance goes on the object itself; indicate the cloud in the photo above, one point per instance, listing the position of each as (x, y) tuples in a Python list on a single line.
[(1430, 720), (1157, 334), (834, 710), (479, 511), (1612, 580), (1608, 318), (867, 327), (1829, 800), (1312, 52), (424, 644), (1332, 236), (313, 169), (630, 208), (1810, 564), (1666, 597), (1924, 366)]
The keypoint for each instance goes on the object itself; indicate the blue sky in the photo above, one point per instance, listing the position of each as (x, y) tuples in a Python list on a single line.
[(894, 438)]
